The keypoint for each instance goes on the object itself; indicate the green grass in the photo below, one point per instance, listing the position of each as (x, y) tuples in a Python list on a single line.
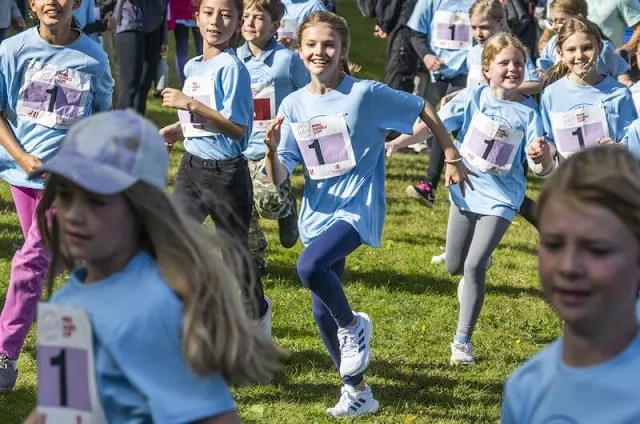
[(412, 303)]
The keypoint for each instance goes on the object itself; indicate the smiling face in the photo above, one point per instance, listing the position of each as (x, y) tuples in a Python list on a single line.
[(218, 21), (94, 228), (579, 52), (506, 70), (589, 264), (257, 26), (321, 50), (483, 28), (54, 14)]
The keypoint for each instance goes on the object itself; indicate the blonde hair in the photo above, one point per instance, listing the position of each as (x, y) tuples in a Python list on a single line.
[(274, 8), (492, 10), (605, 176), (494, 45), (217, 335), (337, 24), (571, 27), (576, 8)]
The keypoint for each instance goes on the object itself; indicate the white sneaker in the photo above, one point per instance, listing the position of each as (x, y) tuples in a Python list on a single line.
[(264, 323), (462, 354), (353, 403), (355, 354), (438, 259)]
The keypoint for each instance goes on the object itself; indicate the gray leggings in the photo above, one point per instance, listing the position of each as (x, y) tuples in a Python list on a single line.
[(471, 239)]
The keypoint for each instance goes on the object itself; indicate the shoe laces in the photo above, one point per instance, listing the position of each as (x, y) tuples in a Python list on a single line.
[(5, 361), (463, 347), (424, 186)]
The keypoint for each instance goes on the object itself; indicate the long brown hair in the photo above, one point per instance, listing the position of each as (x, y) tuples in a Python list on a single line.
[(217, 335)]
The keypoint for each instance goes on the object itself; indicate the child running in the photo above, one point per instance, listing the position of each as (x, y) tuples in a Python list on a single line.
[(51, 76), (151, 325), (580, 107), (590, 276), (336, 128), (442, 38), (216, 116), (275, 72), (609, 62), (497, 127)]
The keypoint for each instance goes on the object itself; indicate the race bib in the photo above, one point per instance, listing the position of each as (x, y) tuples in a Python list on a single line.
[(452, 30), (636, 101), (67, 391), (325, 145), (201, 89), (52, 97), (288, 28), (489, 146), (475, 77), (264, 106), (579, 128)]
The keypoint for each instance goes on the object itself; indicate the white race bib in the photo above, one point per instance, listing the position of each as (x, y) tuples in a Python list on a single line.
[(54, 98), (201, 89), (452, 30), (325, 145), (264, 105), (475, 77), (636, 100), (67, 391), (490, 147), (579, 128), (288, 28)]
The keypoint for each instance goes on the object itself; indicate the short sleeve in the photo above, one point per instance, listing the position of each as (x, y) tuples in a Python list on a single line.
[(509, 414), (4, 75), (298, 73), (104, 88), (149, 353), (420, 20), (288, 150), (531, 75), (394, 110), (236, 103), (614, 63), (633, 140), (452, 114), (547, 58), (630, 10), (628, 114)]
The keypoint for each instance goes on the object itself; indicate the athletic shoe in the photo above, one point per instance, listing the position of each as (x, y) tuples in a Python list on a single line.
[(8, 373), (462, 354), (264, 323), (353, 403), (438, 259), (288, 228), (423, 192), (355, 354)]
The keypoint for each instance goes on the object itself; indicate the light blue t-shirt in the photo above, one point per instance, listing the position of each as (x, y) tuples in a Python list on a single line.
[(633, 138), (474, 64), (298, 10), (564, 95), (546, 391), (493, 195), (609, 63), (423, 20), (141, 373), (370, 109), (635, 94), (279, 68), (86, 14), (232, 93), (38, 80)]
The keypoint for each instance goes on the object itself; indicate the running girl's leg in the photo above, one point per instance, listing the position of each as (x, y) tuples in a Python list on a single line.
[(181, 34), (129, 46)]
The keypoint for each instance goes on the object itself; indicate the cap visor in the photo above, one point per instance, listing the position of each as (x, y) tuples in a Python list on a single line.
[(92, 176)]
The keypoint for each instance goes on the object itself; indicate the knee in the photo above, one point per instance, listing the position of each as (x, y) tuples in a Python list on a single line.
[(309, 270), (454, 266)]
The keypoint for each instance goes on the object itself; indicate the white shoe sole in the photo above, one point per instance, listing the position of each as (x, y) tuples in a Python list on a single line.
[(368, 332), (375, 407)]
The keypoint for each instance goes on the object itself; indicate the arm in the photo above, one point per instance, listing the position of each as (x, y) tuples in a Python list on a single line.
[(420, 132), (634, 39), (530, 87), (26, 161), (625, 79), (276, 172)]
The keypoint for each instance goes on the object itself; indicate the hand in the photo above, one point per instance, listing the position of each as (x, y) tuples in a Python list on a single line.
[(110, 21), (32, 418), (272, 135), (19, 24), (541, 73), (175, 99), (390, 148), (379, 33), (538, 150), (171, 134), (29, 163), (446, 99), (458, 173), (433, 63), (606, 140)]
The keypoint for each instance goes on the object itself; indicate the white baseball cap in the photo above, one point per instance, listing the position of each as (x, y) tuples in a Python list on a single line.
[(109, 152)]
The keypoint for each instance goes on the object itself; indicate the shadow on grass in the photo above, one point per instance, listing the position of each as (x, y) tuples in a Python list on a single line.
[(13, 408)]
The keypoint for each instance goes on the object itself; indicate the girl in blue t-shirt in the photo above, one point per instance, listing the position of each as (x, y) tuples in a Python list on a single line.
[(51, 76), (215, 110), (590, 276), (580, 107), (335, 127), (497, 128), (150, 326)]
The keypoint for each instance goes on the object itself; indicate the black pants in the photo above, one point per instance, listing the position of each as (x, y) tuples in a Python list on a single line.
[(222, 189), (402, 60), (138, 57)]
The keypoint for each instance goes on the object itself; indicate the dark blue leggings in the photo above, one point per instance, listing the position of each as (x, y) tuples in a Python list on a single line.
[(181, 34), (321, 267)]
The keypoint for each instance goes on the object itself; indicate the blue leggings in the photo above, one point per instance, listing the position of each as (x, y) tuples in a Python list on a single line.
[(181, 34), (321, 267)]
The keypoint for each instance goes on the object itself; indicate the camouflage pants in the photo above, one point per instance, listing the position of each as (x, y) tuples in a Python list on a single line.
[(268, 203)]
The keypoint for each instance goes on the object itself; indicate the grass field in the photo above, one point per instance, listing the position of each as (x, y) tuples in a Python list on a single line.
[(412, 303)]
